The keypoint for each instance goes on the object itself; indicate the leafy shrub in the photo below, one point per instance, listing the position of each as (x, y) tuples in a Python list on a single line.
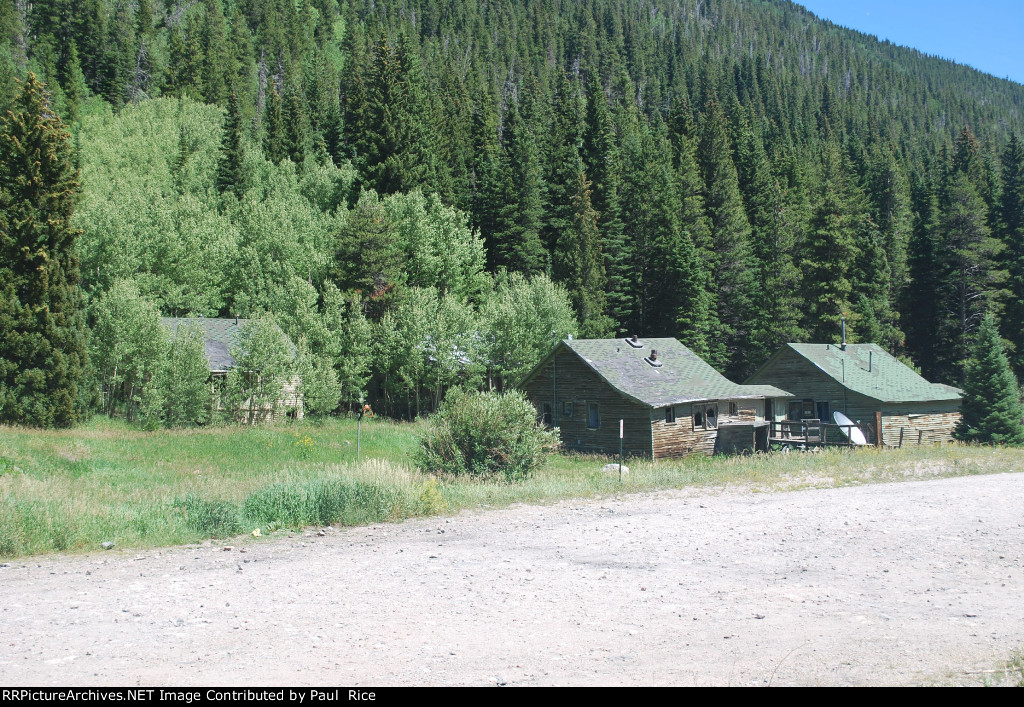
[(322, 503), (431, 499), (212, 519), (485, 434)]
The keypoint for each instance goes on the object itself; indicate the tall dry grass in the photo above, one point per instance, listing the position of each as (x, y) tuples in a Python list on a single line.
[(107, 481)]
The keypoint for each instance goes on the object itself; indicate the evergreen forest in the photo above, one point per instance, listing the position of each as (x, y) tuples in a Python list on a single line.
[(428, 193)]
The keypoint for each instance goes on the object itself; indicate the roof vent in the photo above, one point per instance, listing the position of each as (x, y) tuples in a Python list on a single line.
[(653, 359), (635, 342)]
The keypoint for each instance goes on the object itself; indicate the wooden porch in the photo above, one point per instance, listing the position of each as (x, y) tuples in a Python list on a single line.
[(806, 434)]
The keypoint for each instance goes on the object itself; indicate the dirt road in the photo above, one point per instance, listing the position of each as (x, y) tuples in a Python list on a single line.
[(903, 583)]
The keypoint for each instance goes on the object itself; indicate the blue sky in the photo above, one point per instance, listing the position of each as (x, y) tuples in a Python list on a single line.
[(985, 34)]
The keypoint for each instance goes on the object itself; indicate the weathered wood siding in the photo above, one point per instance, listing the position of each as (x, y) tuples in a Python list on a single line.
[(288, 405), (685, 436), (795, 374), (567, 379), (919, 423), (291, 399)]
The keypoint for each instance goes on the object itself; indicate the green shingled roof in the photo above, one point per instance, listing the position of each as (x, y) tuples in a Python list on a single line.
[(870, 370), (682, 377)]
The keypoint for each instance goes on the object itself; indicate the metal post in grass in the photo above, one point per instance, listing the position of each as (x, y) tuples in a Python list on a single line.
[(363, 409), (620, 451), (359, 422)]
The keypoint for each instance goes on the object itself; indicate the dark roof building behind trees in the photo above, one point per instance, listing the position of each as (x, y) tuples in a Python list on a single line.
[(220, 337)]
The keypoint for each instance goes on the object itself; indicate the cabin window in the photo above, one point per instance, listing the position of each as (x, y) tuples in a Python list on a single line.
[(567, 409), (217, 383), (546, 417), (705, 417), (710, 417), (807, 410), (593, 417), (670, 414), (732, 410)]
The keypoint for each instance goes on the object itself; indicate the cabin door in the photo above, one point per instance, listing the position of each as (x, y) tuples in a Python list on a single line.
[(823, 412)]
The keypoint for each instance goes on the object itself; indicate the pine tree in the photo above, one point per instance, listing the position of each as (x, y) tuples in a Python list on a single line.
[(971, 279), (485, 179), (355, 75), (185, 70), (275, 139), (368, 255), (1011, 232), (230, 175), (296, 125), (398, 142), (42, 330), (578, 263), (919, 304), (732, 265), (775, 319), (828, 255), (991, 406), (696, 313), (601, 162), (875, 320), (517, 245), (217, 64), (75, 89), (120, 57), (565, 138), (670, 283), (891, 194)]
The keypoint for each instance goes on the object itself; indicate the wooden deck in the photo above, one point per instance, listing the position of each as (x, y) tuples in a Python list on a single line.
[(804, 434)]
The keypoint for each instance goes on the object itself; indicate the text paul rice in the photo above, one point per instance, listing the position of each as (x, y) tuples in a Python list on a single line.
[(190, 696)]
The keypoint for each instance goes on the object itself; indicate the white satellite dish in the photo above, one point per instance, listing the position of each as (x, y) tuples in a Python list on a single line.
[(854, 433)]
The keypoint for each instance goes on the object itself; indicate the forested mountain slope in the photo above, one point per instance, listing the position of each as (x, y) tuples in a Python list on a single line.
[(736, 173)]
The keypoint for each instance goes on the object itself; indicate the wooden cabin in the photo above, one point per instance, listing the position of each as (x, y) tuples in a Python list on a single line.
[(671, 402), (868, 385), (220, 337)]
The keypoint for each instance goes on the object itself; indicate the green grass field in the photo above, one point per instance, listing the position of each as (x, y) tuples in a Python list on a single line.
[(72, 490)]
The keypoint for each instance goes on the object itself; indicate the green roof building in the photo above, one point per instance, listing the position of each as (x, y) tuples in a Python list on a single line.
[(669, 400), (868, 385)]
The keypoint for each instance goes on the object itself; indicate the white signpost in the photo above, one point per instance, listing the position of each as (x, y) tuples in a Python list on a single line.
[(620, 451)]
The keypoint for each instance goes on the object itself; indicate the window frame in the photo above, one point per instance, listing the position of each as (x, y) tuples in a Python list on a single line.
[(713, 409), (593, 416)]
